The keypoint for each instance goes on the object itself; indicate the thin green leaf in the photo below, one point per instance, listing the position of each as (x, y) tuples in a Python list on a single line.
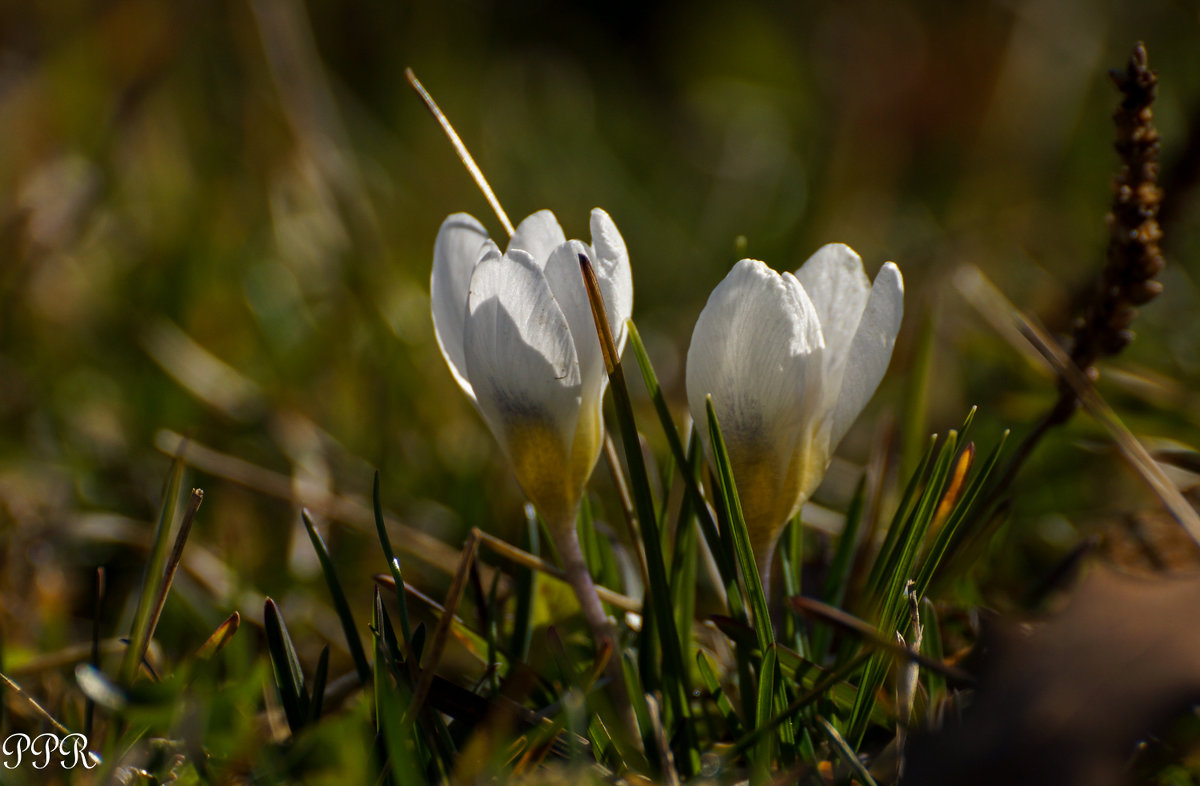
[(741, 538), (889, 605), (951, 535), (289, 677), (340, 604), (724, 559), (318, 689), (393, 564), (713, 685), (816, 693), (402, 747), (745, 557), (791, 564), (139, 635), (675, 673), (761, 761), (839, 744)]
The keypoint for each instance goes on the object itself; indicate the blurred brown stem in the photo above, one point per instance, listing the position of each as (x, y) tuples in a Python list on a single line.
[(1133, 256)]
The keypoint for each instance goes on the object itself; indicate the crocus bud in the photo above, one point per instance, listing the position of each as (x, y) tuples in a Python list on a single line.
[(517, 332), (790, 361)]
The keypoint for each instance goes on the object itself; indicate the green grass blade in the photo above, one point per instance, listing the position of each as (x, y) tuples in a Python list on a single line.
[(951, 534), (889, 604), (139, 635), (340, 604), (754, 590), (318, 689), (877, 575), (798, 705), (674, 670), (791, 564), (403, 750), (741, 538), (289, 677), (724, 559), (843, 749), (708, 676), (762, 758), (393, 564)]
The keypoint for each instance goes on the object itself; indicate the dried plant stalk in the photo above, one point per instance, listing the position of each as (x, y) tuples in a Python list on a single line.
[(1134, 257)]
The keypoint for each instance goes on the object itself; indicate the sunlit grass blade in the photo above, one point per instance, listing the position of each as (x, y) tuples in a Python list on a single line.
[(385, 542), (894, 568), (289, 676), (846, 753), (641, 712), (340, 604), (675, 674), (750, 577), (683, 459), (712, 684), (763, 756), (791, 567), (803, 674), (139, 634), (817, 692), (173, 560), (737, 527), (953, 534), (879, 568), (219, 637), (598, 551)]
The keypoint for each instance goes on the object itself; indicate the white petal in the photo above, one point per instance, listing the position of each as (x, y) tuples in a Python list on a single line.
[(520, 358), (566, 282), (835, 281), (460, 244), (612, 269), (871, 349), (757, 350), (538, 235)]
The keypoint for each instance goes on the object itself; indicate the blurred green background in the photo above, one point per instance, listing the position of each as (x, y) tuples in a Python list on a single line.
[(218, 219)]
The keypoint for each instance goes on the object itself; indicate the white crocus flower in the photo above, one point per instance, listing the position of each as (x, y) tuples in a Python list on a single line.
[(518, 334), (790, 361)]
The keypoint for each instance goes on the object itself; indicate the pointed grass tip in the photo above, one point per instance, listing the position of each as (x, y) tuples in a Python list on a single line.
[(592, 284)]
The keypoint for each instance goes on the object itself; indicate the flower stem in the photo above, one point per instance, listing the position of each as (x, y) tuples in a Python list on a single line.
[(576, 572)]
